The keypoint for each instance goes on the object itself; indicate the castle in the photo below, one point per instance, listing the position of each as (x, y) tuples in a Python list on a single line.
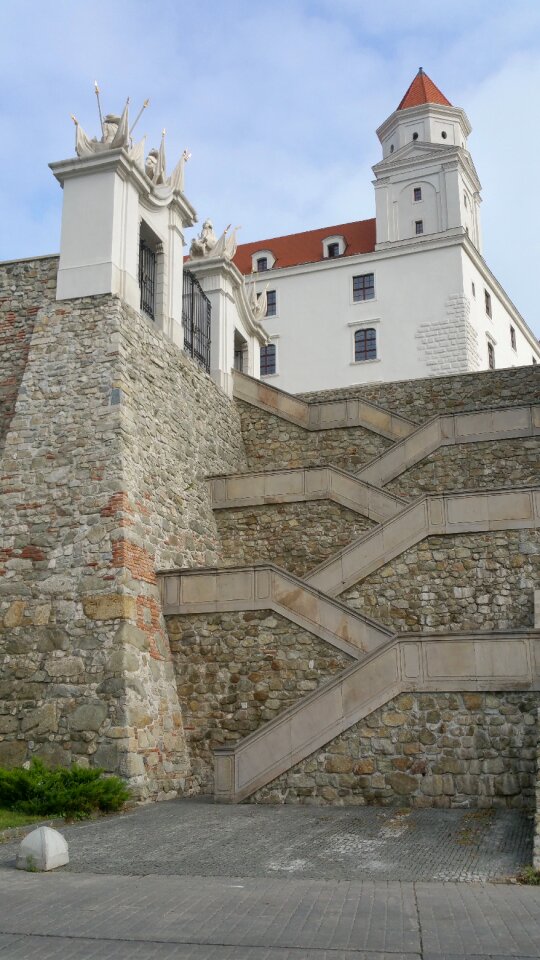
[(404, 295), (210, 585)]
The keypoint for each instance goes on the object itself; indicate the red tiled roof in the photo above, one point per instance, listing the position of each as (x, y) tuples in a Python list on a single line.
[(307, 247), (422, 90)]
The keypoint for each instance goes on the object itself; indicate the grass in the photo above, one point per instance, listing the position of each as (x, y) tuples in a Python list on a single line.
[(11, 818), (530, 876)]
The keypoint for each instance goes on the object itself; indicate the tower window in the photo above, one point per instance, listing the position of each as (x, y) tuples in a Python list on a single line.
[(487, 301), (365, 345), (268, 360), (473, 289), (513, 338), (465, 201), (491, 356), (333, 249), (415, 136), (418, 226), (271, 303), (262, 264), (363, 287), (444, 134), (391, 148), (417, 194)]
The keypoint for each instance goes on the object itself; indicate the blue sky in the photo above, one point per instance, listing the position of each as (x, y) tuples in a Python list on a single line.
[(278, 103)]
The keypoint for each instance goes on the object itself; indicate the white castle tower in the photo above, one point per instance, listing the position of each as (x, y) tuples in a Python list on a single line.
[(426, 183)]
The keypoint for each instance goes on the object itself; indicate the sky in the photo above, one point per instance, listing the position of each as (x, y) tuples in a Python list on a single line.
[(278, 103)]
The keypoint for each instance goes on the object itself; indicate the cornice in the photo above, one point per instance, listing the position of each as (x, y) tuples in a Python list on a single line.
[(413, 113)]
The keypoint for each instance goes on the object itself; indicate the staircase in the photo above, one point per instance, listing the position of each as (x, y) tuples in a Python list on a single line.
[(385, 664)]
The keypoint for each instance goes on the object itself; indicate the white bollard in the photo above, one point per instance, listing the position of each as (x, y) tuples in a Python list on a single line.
[(43, 849)]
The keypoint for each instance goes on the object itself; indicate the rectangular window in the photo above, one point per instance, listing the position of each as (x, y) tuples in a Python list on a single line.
[(513, 338), (473, 289), (268, 360), (487, 301), (363, 287), (417, 193), (271, 303), (262, 264), (491, 356), (365, 345), (333, 249), (418, 226)]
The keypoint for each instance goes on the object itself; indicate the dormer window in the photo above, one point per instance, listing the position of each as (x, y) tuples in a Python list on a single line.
[(333, 247), (262, 260)]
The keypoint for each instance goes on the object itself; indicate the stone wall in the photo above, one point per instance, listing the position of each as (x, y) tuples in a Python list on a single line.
[(24, 286), (296, 536), (478, 581), (236, 671), (536, 852), (102, 480), (425, 750), (273, 443), (471, 466), (422, 399)]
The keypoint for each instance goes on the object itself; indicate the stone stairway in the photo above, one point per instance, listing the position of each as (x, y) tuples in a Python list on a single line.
[(384, 664)]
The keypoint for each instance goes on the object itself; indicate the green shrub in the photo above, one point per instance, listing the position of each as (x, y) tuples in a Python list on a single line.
[(529, 875), (73, 792)]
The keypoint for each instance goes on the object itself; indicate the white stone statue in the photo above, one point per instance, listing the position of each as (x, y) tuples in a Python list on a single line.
[(257, 302), (204, 244), (115, 134)]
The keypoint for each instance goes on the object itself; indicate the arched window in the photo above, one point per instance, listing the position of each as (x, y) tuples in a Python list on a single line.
[(365, 344)]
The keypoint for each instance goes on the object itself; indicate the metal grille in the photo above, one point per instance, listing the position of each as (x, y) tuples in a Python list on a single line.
[(196, 317), (147, 279)]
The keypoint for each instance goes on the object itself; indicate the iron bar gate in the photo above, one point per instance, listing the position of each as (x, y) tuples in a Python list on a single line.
[(196, 317), (147, 279)]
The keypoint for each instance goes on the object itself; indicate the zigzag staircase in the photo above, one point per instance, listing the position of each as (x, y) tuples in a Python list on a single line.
[(385, 663)]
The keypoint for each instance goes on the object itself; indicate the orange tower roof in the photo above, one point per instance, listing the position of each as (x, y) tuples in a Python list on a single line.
[(422, 90)]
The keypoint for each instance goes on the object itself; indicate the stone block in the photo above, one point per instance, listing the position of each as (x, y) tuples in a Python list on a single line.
[(12, 753), (15, 614), (89, 716), (110, 606), (402, 783)]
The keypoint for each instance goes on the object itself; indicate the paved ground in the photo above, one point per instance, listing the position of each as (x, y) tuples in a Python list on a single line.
[(166, 882), (199, 838)]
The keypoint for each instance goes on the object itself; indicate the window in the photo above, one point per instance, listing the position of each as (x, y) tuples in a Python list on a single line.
[(363, 287), (365, 345), (417, 194), (444, 134), (415, 136), (268, 360), (147, 278), (473, 289), (487, 301), (391, 148), (333, 249), (491, 356), (418, 226), (513, 338), (262, 264), (465, 199), (271, 303)]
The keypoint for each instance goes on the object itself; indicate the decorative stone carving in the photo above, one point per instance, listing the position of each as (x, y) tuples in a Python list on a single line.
[(116, 133), (257, 302), (206, 245)]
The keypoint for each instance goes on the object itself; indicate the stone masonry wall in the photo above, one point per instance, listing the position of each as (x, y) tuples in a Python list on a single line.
[(296, 536), (24, 286), (273, 443), (536, 852), (102, 479), (422, 399), (236, 671), (471, 466), (425, 750), (480, 581)]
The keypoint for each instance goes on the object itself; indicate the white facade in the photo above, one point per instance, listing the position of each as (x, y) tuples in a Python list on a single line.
[(427, 304)]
